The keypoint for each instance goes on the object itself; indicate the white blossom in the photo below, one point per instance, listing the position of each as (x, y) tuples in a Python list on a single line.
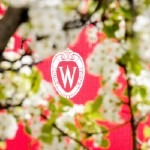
[(30, 106), (142, 28), (49, 46), (97, 139), (20, 3), (142, 79), (72, 36), (144, 46), (144, 109), (16, 65), (27, 60), (29, 3), (92, 34), (5, 65), (68, 116), (48, 3), (111, 106), (142, 21), (145, 145), (120, 33), (60, 144), (36, 126), (8, 126), (11, 55), (46, 31), (10, 44), (15, 87), (46, 23), (25, 70), (46, 90)]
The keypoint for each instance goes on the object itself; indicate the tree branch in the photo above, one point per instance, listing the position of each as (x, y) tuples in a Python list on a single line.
[(133, 126), (132, 120), (9, 23)]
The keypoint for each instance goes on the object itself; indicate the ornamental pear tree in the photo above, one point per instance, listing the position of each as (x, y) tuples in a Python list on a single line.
[(117, 32)]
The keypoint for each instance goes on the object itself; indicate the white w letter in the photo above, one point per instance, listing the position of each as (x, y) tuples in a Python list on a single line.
[(67, 76)]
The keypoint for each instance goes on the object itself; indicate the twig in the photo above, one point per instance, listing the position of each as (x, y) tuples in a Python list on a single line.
[(133, 12), (132, 116), (106, 131), (83, 20), (131, 2), (65, 134)]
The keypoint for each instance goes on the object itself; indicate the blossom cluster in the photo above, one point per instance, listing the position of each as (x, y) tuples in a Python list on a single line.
[(48, 28), (103, 62), (142, 28)]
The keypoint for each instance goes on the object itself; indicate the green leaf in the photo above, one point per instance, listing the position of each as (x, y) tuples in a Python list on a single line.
[(53, 118), (134, 108), (104, 129), (46, 138), (94, 115), (35, 78), (126, 13), (2, 95), (70, 6), (71, 127), (68, 9), (5, 2), (93, 106), (65, 102), (134, 67), (146, 131), (88, 107), (47, 127), (92, 6), (51, 106), (3, 145), (111, 29), (97, 103), (132, 62), (105, 143), (144, 146), (147, 3), (140, 90), (27, 129)]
